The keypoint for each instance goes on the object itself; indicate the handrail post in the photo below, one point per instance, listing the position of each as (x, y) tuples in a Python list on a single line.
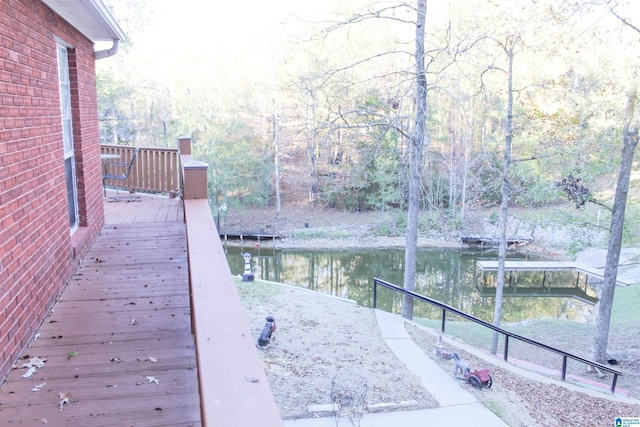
[(444, 318), (564, 367), (506, 347), (613, 383), (375, 293)]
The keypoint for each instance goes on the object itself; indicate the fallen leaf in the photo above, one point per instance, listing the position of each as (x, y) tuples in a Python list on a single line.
[(44, 420), (29, 373), (64, 398), (116, 359), (134, 322), (153, 380), (34, 361), (152, 359), (71, 354), (38, 387)]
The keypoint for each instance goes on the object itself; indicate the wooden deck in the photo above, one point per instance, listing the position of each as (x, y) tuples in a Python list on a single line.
[(136, 208), (119, 340)]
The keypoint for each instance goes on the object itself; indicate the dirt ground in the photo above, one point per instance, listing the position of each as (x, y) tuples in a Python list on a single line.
[(318, 336)]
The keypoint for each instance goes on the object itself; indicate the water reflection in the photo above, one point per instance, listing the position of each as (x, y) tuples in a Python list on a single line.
[(447, 275)]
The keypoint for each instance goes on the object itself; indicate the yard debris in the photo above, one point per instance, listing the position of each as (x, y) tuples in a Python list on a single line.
[(153, 380), (134, 322), (34, 361), (38, 387), (64, 398), (71, 354), (29, 373), (116, 359)]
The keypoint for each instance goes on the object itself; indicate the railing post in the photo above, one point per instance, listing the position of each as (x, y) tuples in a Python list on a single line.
[(506, 347), (564, 367), (184, 145), (375, 293), (444, 318), (613, 384), (195, 180)]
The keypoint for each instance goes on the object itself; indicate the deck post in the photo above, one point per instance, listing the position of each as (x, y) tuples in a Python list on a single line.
[(184, 145), (195, 180)]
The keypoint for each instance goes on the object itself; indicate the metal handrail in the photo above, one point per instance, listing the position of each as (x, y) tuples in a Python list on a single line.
[(507, 334)]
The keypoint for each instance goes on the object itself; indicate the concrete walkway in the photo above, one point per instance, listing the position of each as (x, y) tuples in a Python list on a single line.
[(457, 407)]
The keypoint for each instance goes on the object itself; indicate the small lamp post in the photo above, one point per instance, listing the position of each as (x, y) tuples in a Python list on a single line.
[(221, 208), (247, 276)]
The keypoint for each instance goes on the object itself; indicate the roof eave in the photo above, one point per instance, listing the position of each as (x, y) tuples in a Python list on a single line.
[(90, 17)]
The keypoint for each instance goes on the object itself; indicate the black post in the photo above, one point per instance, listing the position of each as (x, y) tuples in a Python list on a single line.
[(444, 317), (506, 347), (375, 293), (564, 367), (613, 384)]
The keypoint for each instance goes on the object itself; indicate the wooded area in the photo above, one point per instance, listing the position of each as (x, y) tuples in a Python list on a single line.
[(332, 101), (524, 102)]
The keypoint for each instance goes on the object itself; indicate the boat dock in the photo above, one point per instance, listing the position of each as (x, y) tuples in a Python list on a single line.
[(547, 266), (247, 234), (476, 239)]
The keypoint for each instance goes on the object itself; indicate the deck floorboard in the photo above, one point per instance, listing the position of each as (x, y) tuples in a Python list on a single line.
[(124, 316)]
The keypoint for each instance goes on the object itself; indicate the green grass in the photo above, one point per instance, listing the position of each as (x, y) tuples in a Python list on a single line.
[(573, 336), (625, 306)]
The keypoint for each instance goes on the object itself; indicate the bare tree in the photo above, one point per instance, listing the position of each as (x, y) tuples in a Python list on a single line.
[(419, 140), (629, 144), (505, 188), (630, 130)]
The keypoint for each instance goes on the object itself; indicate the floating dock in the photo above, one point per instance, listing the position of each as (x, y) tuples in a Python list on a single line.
[(477, 239), (547, 266), (247, 234)]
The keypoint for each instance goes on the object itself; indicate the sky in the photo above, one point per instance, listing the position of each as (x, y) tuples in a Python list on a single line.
[(178, 23)]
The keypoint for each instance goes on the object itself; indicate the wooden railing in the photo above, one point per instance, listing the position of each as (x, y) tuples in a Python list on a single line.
[(234, 391), (155, 170)]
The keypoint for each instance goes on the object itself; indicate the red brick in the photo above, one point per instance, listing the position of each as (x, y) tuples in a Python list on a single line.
[(34, 233)]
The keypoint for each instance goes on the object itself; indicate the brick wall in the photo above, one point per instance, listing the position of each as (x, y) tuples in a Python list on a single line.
[(38, 253)]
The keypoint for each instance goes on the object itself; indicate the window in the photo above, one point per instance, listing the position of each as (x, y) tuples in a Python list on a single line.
[(67, 135)]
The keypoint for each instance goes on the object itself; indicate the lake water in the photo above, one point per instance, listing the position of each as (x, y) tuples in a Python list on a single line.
[(447, 275)]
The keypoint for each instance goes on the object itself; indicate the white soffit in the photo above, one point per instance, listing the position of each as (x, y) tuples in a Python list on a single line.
[(90, 17)]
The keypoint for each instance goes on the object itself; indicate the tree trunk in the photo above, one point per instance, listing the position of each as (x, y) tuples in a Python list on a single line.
[(605, 304), (416, 150), (505, 191), (276, 149)]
